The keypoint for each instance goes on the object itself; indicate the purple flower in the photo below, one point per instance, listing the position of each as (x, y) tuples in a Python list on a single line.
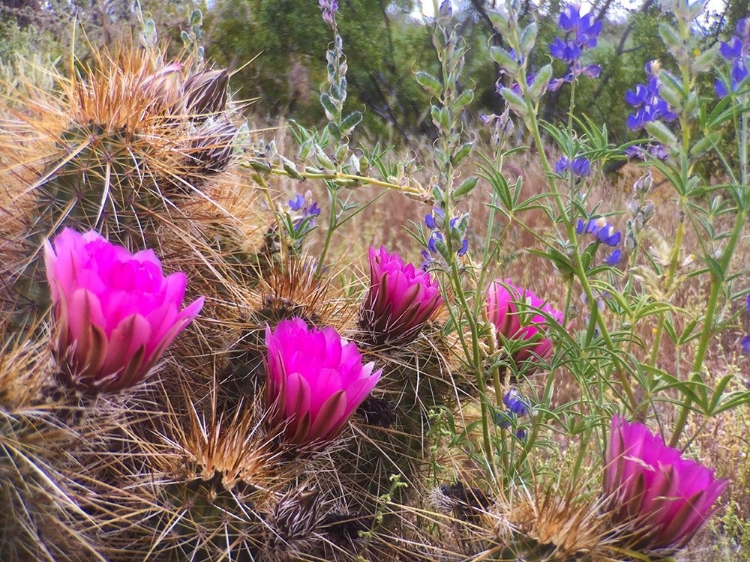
[(435, 221), (515, 403), (601, 229), (503, 420), (464, 248), (614, 258), (656, 497), (584, 28), (426, 260), (732, 49), (745, 343), (567, 51), (582, 33), (516, 87), (435, 237), (736, 77), (608, 235), (579, 167), (647, 102), (307, 207)]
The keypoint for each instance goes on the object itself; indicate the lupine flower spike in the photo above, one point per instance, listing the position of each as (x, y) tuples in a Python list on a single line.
[(503, 313), (660, 499), (647, 101), (400, 300), (315, 381), (116, 313), (582, 32)]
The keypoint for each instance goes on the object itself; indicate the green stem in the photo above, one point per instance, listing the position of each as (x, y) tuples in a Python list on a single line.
[(708, 325), (674, 261), (332, 225), (341, 177)]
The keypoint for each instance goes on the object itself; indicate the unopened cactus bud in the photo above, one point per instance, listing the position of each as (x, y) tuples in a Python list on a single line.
[(207, 92), (164, 86)]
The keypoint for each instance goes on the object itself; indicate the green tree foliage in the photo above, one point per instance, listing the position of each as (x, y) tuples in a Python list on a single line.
[(287, 36)]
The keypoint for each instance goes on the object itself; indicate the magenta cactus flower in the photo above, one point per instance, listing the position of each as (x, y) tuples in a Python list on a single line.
[(116, 312), (400, 300), (529, 325), (315, 381), (661, 499)]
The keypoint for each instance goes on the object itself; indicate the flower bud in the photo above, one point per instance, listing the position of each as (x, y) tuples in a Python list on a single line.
[(207, 92)]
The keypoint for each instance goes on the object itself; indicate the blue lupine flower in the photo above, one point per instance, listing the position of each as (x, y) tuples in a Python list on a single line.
[(297, 203), (601, 229), (737, 75), (647, 102), (585, 28), (582, 34), (426, 260), (435, 221), (521, 434), (329, 8), (732, 49), (567, 51), (609, 236), (515, 402), (516, 87), (464, 248), (737, 52), (308, 208), (579, 167), (614, 258)]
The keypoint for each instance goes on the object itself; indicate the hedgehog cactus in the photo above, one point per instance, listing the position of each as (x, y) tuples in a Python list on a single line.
[(129, 143), (118, 149), (44, 439)]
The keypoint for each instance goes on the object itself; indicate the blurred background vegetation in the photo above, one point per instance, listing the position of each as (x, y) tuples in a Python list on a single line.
[(385, 41)]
